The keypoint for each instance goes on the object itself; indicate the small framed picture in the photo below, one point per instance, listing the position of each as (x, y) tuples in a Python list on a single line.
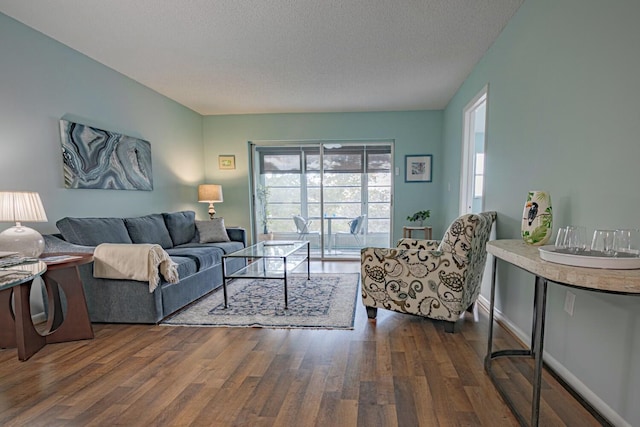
[(418, 167), (227, 162)]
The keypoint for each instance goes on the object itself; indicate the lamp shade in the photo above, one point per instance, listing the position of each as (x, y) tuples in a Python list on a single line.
[(210, 193), (21, 206)]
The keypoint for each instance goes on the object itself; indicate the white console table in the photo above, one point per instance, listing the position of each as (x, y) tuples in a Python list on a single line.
[(527, 257)]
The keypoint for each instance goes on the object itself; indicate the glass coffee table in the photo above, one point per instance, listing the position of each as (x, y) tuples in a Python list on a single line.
[(271, 259)]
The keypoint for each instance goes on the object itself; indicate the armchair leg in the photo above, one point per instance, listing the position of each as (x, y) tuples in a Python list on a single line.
[(372, 312), (473, 309), (451, 327)]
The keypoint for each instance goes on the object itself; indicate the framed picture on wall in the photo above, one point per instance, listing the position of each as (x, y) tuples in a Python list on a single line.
[(227, 162), (103, 159), (417, 167)]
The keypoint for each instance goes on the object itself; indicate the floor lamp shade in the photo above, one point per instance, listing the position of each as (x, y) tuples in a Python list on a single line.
[(18, 207), (210, 193)]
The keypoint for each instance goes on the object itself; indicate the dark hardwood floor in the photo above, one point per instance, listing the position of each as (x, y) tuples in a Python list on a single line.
[(400, 370)]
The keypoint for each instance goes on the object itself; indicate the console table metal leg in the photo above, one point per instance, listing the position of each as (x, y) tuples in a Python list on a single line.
[(534, 322), (540, 308), (487, 360), (537, 339), (518, 254)]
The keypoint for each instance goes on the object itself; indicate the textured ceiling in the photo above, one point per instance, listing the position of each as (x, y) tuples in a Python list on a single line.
[(267, 56)]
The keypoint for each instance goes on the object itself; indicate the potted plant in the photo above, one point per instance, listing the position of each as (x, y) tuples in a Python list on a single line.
[(419, 216), (263, 193)]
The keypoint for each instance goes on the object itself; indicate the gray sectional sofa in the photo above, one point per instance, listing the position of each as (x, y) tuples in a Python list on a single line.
[(128, 301)]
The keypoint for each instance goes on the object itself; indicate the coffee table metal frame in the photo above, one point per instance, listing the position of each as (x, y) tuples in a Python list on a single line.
[(272, 259)]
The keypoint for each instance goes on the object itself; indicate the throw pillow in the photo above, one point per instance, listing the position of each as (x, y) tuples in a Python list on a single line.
[(93, 231), (212, 231), (149, 229), (181, 226)]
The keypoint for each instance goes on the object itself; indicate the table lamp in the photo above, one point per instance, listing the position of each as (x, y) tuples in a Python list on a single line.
[(18, 206), (210, 193)]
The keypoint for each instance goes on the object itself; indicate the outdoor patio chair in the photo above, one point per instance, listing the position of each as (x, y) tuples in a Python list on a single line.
[(302, 227), (356, 228)]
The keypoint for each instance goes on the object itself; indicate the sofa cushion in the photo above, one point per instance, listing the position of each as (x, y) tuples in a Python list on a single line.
[(212, 231), (186, 266), (204, 256), (93, 231), (149, 229), (181, 226), (226, 247)]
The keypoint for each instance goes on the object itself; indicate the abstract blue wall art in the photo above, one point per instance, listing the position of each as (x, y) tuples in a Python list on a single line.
[(96, 158)]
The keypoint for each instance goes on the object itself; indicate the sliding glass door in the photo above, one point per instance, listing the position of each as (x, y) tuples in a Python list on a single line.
[(337, 195)]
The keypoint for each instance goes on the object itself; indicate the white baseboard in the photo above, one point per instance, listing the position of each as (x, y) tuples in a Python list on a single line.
[(598, 404)]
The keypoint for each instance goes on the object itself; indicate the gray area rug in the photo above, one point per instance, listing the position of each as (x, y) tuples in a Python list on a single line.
[(326, 301)]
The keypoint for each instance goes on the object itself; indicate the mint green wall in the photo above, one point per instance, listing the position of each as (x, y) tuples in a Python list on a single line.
[(42, 81), (414, 132), (563, 116)]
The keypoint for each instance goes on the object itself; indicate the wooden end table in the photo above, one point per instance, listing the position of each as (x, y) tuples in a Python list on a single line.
[(16, 326), (62, 272), (407, 231), (58, 270)]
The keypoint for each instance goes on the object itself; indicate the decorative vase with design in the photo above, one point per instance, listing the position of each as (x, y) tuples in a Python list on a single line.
[(537, 218)]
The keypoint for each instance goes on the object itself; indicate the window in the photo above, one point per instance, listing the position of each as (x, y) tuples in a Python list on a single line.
[(319, 180), (478, 185)]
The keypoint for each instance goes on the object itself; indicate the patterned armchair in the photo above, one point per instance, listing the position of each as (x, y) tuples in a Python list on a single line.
[(430, 278)]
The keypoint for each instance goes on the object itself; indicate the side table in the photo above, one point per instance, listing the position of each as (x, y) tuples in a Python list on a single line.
[(16, 326), (407, 232), (62, 272)]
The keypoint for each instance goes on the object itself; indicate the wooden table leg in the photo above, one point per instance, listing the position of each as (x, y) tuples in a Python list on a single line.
[(55, 315), (7, 320), (28, 340), (76, 324)]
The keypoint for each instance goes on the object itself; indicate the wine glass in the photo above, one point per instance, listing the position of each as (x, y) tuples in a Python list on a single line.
[(560, 237), (627, 241), (574, 240), (603, 242)]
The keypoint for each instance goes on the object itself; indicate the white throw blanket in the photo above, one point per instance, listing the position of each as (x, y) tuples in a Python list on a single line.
[(142, 262)]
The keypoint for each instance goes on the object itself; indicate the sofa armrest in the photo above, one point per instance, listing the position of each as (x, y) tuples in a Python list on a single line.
[(237, 234), (418, 244), (55, 243)]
